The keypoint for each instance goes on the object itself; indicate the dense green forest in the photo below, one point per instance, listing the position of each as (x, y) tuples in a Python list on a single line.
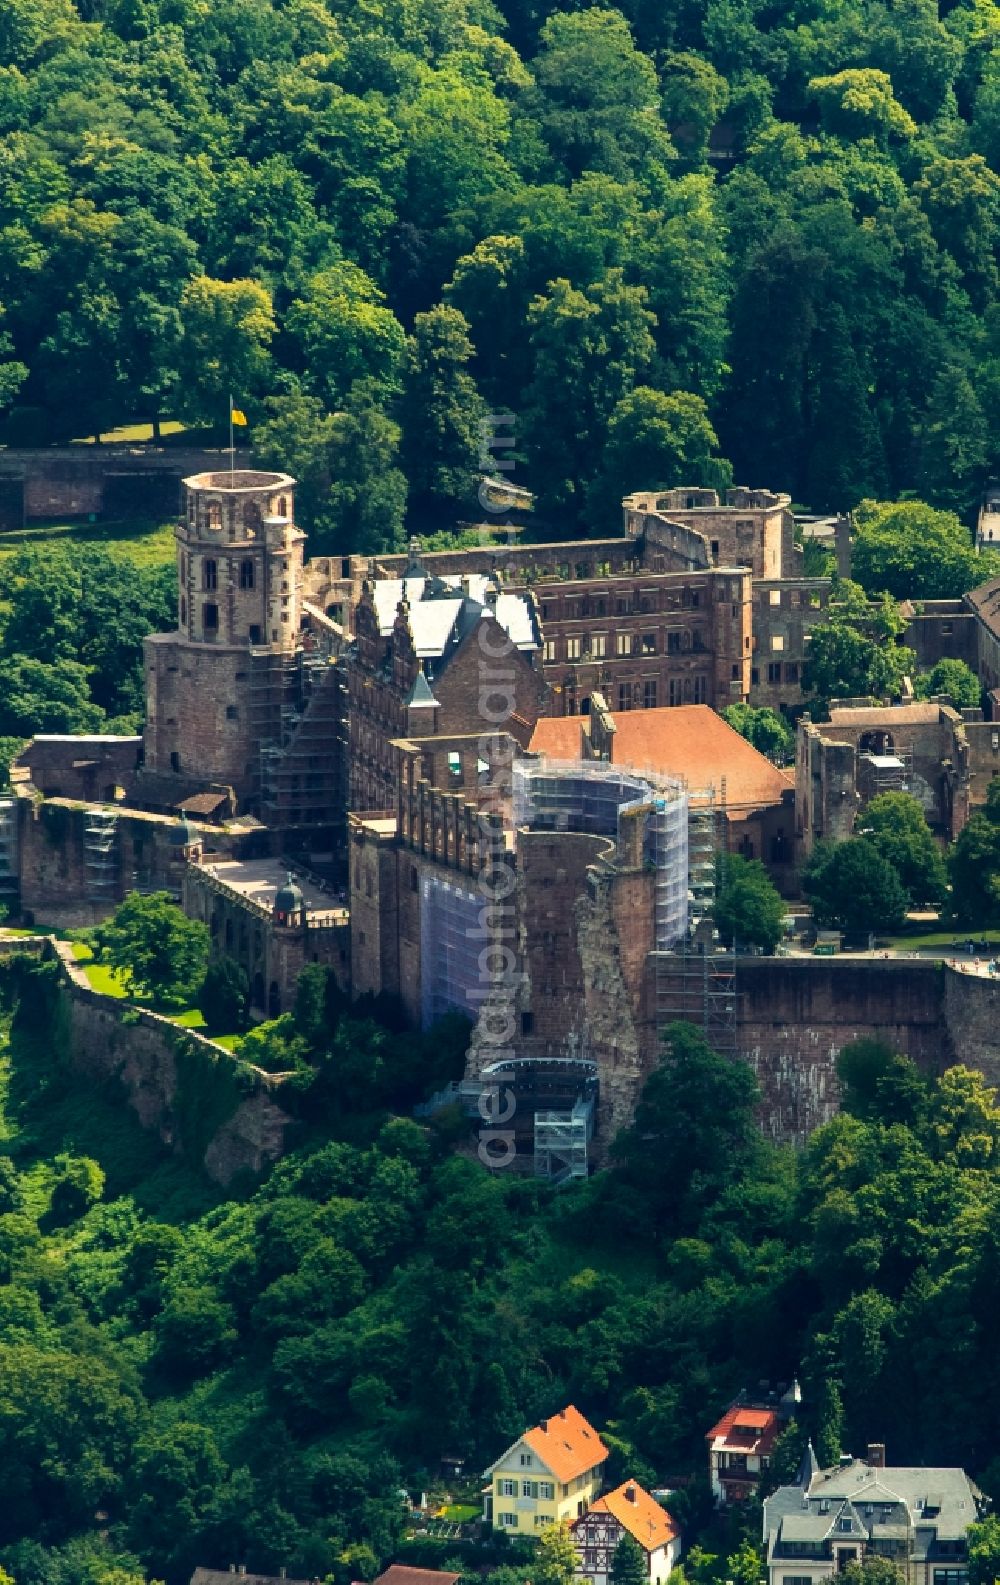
[(187, 1377), (681, 240)]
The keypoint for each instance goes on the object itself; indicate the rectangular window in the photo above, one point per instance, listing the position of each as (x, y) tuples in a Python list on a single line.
[(454, 764), (754, 677), (572, 649), (792, 671), (506, 1487), (526, 1460), (774, 671), (701, 690), (210, 616), (624, 696), (549, 653), (546, 1489), (211, 571), (529, 1488), (673, 643), (775, 596), (623, 644), (246, 574), (649, 643), (674, 691), (542, 1519), (649, 695), (507, 1521), (599, 645), (777, 642)]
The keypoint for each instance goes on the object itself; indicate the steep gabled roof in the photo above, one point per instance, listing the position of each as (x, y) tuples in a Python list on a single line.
[(639, 1513), (566, 1445)]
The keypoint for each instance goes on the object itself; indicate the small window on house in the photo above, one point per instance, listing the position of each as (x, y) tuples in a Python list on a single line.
[(414, 881), (623, 644), (775, 596), (210, 570), (715, 549), (215, 515), (175, 761), (549, 652), (454, 764), (232, 714), (572, 649), (527, 1022), (777, 641), (210, 616), (649, 643), (774, 671), (598, 645), (282, 506), (255, 632), (649, 695), (754, 677), (246, 574)]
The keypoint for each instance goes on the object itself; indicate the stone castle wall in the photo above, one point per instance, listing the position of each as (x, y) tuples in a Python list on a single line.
[(179, 1084)]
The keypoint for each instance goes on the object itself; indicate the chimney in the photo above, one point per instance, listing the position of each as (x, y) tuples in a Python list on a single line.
[(543, 1425), (876, 1455), (232, 1568), (243, 1568), (630, 1494)]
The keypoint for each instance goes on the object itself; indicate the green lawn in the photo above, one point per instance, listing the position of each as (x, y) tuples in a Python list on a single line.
[(148, 544), (126, 432), (102, 978)]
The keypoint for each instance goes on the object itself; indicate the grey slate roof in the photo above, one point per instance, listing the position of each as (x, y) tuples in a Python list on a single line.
[(854, 1502)]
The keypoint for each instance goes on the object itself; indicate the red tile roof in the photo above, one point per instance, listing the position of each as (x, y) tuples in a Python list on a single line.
[(559, 736), (567, 1444), (689, 741), (746, 1429), (639, 1513), (403, 1574)]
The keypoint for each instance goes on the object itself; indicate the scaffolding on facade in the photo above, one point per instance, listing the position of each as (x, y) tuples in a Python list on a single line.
[(594, 797), (561, 1141), (9, 885), (696, 983), (451, 941), (296, 720), (100, 854), (551, 1102)]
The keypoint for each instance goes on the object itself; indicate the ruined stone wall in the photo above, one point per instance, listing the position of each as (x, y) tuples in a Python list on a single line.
[(59, 884), (551, 879), (941, 630), (796, 1014), (181, 1086)]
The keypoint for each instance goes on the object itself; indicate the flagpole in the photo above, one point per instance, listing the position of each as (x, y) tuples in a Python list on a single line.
[(232, 443)]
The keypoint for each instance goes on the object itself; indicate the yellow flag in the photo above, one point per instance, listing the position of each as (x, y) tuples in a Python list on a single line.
[(237, 417)]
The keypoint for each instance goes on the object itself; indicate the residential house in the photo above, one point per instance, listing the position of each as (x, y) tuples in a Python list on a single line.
[(628, 1510), (740, 1444), (550, 1475), (916, 1518)]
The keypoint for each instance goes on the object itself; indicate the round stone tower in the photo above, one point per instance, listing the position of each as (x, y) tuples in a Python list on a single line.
[(239, 560), (217, 687)]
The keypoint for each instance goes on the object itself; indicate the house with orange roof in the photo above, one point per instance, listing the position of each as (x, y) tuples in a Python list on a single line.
[(740, 1444), (550, 1475), (628, 1510)]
